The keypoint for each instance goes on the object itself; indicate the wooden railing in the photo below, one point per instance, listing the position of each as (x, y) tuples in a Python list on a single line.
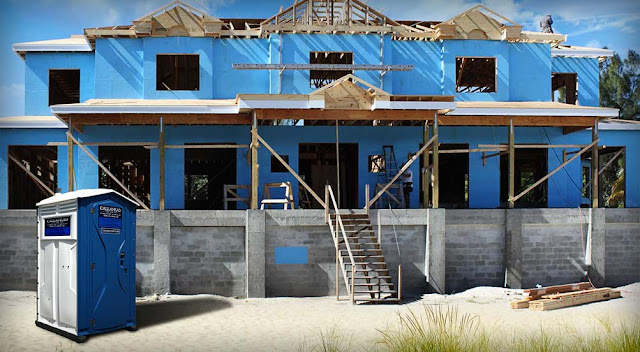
[(339, 227)]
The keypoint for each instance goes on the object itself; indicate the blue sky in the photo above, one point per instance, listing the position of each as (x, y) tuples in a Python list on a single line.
[(594, 23)]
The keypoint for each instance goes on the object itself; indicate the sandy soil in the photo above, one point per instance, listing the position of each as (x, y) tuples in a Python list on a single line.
[(213, 323)]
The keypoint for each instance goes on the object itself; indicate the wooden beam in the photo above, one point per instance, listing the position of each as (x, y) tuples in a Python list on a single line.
[(161, 150), (562, 121), (512, 163), (615, 156), (532, 146), (206, 146), (426, 176), (595, 194), (31, 175), (583, 150), (403, 169), (254, 163), (154, 119), (286, 165), (464, 151), (435, 169), (70, 173), (345, 115), (106, 171)]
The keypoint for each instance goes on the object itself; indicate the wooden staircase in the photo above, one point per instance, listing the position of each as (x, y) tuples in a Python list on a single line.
[(360, 259)]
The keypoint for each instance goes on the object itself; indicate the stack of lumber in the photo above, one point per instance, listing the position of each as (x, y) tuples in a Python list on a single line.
[(554, 297)]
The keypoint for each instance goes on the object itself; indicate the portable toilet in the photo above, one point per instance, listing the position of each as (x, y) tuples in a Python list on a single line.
[(86, 263)]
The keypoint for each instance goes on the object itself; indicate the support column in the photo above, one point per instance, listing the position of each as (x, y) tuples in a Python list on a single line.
[(513, 248), (435, 260), (70, 173), (594, 165), (254, 163), (161, 149), (596, 245), (426, 176), (162, 251), (435, 169), (512, 163), (255, 254)]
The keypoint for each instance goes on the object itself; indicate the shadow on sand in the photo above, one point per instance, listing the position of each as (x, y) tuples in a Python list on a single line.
[(153, 313)]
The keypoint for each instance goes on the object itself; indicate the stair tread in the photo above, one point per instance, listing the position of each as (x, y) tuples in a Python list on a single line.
[(367, 263)]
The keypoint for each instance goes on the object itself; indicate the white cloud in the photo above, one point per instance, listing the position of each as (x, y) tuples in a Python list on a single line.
[(594, 44), (12, 99)]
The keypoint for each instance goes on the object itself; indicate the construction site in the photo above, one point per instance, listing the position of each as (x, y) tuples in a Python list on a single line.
[(330, 150)]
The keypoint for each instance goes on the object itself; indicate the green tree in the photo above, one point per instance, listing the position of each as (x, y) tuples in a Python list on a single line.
[(619, 83)]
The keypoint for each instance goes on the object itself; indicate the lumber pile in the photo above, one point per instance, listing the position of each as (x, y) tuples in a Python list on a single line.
[(554, 297)]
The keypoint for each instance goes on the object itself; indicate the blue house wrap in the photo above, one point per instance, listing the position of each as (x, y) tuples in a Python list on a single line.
[(119, 75)]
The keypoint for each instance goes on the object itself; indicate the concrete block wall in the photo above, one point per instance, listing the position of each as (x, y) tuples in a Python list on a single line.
[(18, 250), (291, 253), (475, 248), (622, 250), (144, 253), (554, 245), (299, 230), (207, 253)]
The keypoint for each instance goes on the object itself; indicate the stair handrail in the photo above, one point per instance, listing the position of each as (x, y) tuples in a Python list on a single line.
[(339, 220), (341, 226)]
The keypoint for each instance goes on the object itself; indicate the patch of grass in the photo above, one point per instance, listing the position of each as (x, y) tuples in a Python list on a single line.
[(440, 328), (445, 329), (329, 340)]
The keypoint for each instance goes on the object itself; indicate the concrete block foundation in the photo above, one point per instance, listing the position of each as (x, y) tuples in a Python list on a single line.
[(290, 252)]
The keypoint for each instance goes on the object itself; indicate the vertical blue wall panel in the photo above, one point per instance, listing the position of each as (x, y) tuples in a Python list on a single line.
[(227, 82), (426, 77), (36, 80), (178, 45), (529, 72), (119, 68), (481, 48), (588, 77)]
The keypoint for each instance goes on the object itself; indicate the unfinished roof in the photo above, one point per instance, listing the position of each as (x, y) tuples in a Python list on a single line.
[(580, 51), (529, 108), (328, 17), (482, 23), (75, 43), (31, 122)]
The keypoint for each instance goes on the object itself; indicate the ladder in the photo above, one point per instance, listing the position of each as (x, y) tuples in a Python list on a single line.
[(394, 196)]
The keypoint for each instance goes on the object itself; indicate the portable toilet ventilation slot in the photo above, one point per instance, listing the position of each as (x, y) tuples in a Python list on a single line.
[(86, 263)]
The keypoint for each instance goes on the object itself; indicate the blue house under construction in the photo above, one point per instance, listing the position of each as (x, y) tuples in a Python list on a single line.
[(183, 110)]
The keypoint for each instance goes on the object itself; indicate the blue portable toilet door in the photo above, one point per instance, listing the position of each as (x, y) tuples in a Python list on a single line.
[(110, 258)]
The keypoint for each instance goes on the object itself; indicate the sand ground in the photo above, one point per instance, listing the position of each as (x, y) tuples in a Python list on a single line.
[(213, 323)]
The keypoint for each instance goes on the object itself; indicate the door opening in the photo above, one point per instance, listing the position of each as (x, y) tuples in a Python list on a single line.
[(206, 171), (530, 166), (317, 166)]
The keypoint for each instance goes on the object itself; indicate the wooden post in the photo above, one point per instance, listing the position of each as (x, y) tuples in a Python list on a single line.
[(161, 149), (594, 165), (399, 283), (337, 270), (254, 163), (435, 169), (512, 164), (70, 174), (366, 198), (353, 280), (379, 228), (338, 165), (426, 177), (326, 204)]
